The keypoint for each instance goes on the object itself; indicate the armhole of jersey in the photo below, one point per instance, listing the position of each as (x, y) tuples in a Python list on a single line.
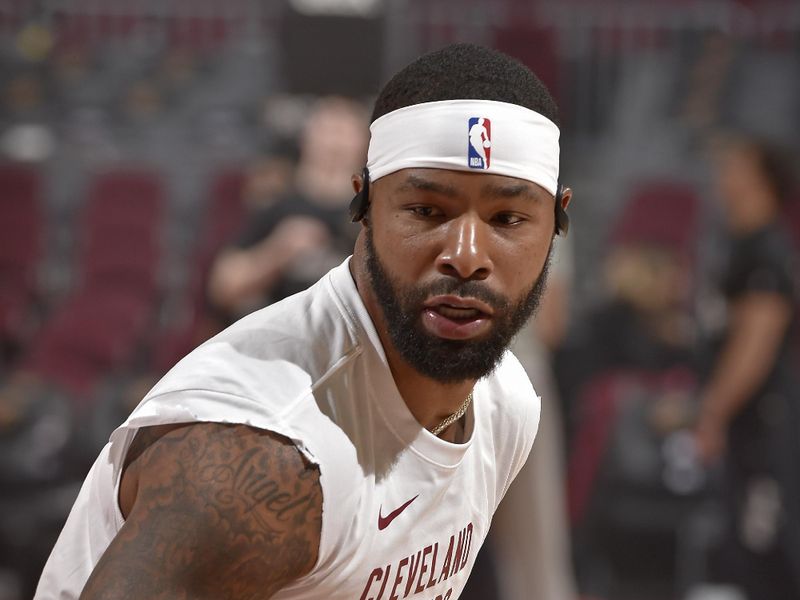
[(121, 448), (119, 520), (159, 411), (525, 441)]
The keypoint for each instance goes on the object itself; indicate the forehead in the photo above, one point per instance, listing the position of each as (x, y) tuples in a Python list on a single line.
[(455, 184)]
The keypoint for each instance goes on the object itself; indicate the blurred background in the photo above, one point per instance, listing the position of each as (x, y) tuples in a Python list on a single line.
[(168, 166)]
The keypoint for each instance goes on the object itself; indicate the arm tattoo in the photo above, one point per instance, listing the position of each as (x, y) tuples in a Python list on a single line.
[(221, 511)]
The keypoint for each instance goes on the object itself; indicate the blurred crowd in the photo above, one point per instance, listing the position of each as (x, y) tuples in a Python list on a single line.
[(156, 186)]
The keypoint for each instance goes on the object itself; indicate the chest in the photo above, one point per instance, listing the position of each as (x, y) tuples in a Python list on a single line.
[(415, 533)]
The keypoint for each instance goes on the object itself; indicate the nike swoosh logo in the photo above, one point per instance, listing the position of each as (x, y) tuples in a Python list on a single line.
[(383, 522)]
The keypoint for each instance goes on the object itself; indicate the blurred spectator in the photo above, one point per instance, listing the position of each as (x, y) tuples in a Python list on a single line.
[(749, 406), (269, 178), (297, 239), (26, 134), (627, 374)]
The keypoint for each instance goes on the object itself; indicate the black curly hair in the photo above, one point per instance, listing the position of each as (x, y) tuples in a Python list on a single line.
[(466, 71)]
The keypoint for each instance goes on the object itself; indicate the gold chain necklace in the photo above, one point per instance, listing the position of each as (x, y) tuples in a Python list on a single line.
[(452, 418)]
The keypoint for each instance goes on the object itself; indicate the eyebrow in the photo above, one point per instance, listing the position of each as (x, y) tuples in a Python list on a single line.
[(511, 191), (414, 182)]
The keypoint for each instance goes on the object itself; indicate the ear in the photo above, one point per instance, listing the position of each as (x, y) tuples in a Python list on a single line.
[(566, 196), (359, 205), (358, 182)]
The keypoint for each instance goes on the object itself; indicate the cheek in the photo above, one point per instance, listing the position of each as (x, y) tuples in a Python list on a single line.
[(404, 253), (410, 236), (521, 261)]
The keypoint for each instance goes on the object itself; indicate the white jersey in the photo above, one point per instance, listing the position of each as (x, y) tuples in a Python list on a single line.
[(404, 512)]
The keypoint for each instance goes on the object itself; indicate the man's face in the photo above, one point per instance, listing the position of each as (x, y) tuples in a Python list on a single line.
[(457, 262)]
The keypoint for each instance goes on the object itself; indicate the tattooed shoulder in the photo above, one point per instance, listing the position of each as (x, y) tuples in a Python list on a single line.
[(223, 511)]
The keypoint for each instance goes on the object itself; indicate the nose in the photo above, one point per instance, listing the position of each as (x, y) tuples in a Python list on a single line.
[(465, 253)]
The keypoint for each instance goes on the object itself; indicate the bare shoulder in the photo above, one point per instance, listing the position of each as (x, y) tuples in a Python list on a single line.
[(213, 511)]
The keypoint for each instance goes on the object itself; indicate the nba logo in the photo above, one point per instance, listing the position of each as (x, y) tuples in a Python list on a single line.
[(479, 146)]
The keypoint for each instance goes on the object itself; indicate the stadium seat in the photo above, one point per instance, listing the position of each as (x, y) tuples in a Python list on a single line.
[(100, 328), (20, 250), (224, 216), (660, 212)]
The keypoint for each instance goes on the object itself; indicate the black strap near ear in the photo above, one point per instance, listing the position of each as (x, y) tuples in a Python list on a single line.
[(360, 202), (562, 218)]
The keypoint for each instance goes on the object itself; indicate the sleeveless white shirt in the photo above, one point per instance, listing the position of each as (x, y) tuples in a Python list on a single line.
[(404, 512)]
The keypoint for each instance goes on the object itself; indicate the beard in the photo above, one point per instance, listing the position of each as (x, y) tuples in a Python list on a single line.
[(444, 360)]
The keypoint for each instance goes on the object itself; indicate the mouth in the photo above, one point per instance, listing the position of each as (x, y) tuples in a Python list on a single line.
[(457, 314), (456, 318), (456, 307)]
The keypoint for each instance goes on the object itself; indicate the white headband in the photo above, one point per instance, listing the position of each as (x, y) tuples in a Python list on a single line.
[(466, 135)]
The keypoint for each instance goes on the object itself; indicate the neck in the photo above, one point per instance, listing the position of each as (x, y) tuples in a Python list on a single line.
[(430, 401), (755, 214)]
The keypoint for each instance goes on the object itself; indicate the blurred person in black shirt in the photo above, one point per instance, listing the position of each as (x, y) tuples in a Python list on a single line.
[(291, 243), (749, 406), (627, 374), (643, 321)]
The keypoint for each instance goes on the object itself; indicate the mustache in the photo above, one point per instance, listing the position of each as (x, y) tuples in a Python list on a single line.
[(463, 289)]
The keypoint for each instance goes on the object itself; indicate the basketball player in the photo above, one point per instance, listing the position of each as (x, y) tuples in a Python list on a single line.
[(353, 441)]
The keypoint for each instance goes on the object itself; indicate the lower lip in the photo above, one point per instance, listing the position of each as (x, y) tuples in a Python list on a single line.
[(462, 329)]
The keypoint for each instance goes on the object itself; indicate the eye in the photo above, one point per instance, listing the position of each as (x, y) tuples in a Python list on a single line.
[(507, 218), (426, 211)]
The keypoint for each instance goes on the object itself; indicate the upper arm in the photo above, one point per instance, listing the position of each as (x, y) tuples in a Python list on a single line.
[(762, 318), (220, 511)]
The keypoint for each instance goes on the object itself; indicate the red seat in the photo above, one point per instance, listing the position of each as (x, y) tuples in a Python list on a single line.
[(18, 182), (536, 48), (224, 218), (792, 214), (20, 244), (16, 292), (21, 238), (100, 329), (225, 208), (125, 198), (95, 333), (122, 231), (124, 237), (662, 213), (119, 268)]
